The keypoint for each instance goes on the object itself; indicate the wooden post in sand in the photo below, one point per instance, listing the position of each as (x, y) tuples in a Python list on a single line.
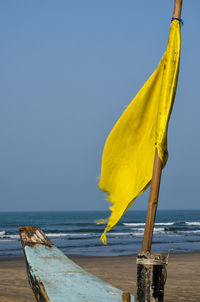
[(151, 268)]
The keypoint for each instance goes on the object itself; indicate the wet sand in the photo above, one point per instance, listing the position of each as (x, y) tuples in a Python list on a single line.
[(183, 281)]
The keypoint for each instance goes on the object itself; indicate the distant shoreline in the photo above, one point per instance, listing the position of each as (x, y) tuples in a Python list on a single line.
[(73, 257)]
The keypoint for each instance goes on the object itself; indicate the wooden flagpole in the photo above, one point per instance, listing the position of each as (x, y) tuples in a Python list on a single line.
[(155, 184), (151, 268), (177, 9), (152, 204)]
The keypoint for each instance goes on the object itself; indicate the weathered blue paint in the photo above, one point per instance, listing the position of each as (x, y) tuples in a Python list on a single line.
[(64, 281)]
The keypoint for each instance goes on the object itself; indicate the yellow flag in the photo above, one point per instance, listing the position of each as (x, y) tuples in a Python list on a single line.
[(128, 156)]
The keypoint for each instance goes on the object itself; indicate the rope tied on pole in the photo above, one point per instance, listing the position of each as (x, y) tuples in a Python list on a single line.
[(178, 19)]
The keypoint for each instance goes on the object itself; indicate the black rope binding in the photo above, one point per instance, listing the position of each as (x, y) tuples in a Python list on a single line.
[(180, 20)]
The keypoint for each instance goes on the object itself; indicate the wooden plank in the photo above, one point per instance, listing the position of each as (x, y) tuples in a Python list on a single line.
[(54, 277), (126, 297)]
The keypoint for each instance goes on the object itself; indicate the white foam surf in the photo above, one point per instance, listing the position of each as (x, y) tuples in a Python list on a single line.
[(142, 223), (67, 234), (193, 223)]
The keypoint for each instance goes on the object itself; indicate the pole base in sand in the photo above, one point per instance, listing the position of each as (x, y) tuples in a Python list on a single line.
[(151, 277)]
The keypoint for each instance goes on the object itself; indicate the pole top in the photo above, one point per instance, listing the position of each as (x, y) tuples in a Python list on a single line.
[(177, 9)]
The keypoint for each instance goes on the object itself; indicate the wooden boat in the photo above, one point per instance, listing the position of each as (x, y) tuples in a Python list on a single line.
[(53, 277)]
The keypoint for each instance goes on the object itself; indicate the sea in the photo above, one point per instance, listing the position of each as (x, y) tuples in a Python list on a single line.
[(76, 233)]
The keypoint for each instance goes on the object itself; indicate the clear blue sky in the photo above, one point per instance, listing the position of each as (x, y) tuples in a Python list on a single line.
[(67, 71)]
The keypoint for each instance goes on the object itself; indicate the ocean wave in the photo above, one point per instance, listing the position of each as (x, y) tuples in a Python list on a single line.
[(134, 223), (119, 234), (135, 231), (158, 230), (164, 223), (5, 236), (190, 232), (56, 234), (66, 234), (92, 230), (10, 237), (14, 236), (193, 223), (138, 234), (142, 229), (143, 223), (7, 240)]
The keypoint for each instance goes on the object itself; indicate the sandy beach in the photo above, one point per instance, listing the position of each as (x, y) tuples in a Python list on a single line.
[(183, 281)]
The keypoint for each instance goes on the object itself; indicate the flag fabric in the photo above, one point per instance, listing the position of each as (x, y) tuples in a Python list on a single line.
[(128, 156)]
